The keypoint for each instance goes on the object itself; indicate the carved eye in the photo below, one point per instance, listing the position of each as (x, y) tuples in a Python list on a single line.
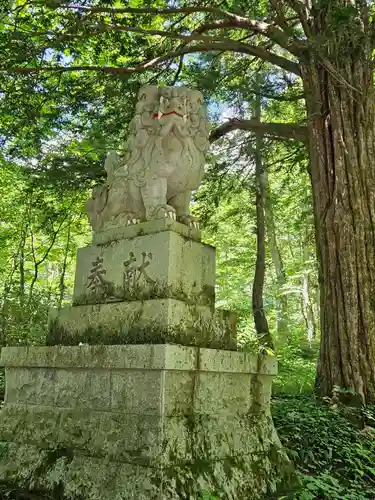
[(143, 97)]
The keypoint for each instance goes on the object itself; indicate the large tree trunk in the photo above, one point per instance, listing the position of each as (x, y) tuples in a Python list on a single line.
[(340, 105)]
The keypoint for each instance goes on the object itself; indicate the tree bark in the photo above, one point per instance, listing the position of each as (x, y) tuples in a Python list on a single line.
[(340, 106), (260, 319)]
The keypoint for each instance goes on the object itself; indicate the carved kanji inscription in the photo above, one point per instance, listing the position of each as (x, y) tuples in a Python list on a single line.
[(96, 281), (135, 273)]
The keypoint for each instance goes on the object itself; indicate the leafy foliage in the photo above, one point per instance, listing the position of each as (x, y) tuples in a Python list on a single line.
[(332, 446)]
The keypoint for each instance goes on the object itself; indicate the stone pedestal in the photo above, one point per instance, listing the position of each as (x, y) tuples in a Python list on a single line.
[(128, 401), (140, 422)]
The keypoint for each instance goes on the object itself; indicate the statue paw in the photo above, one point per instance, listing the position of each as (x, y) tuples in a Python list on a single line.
[(189, 220), (126, 219), (162, 212)]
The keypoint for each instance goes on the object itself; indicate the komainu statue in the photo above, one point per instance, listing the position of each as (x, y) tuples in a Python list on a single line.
[(163, 164)]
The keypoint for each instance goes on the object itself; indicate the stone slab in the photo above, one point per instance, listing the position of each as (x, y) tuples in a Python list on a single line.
[(136, 357), (159, 265), (144, 228), (152, 321), (84, 377), (214, 360), (117, 435), (127, 357)]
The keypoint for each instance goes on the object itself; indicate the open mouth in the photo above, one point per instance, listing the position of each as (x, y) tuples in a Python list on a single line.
[(159, 115)]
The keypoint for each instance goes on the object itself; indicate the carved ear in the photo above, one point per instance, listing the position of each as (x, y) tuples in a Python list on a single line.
[(148, 90), (112, 162)]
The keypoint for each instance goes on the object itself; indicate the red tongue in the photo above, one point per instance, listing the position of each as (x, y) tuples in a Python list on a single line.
[(156, 115)]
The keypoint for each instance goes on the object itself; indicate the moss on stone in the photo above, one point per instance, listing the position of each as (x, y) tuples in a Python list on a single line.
[(205, 336), (113, 293)]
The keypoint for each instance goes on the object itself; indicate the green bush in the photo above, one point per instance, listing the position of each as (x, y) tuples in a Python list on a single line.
[(25, 323), (333, 447), (296, 376), (205, 495)]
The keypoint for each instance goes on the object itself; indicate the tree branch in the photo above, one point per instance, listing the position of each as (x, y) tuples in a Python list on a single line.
[(275, 130), (228, 45), (302, 10), (106, 28), (269, 30), (179, 69), (156, 11)]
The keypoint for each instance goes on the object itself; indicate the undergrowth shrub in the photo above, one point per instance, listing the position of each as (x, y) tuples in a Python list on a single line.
[(332, 446)]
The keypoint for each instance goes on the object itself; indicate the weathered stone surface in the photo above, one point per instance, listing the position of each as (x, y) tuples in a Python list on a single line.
[(82, 389), (214, 360), (222, 393), (224, 456), (159, 265), (137, 392), (178, 392), (81, 476), (33, 386), (144, 228), (116, 435)]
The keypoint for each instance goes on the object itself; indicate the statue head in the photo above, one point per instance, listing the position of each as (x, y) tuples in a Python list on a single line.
[(148, 99), (173, 101)]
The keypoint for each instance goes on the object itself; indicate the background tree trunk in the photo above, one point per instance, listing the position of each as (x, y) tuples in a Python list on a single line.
[(281, 298), (340, 106), (260, 320), (307, 308), (62, 287)]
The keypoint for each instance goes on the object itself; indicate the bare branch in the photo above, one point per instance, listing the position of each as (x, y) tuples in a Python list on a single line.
[(228, 45), (275, 130)]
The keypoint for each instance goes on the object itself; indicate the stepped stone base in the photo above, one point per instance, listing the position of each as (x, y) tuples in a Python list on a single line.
[(140, 422), (149, 283)]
